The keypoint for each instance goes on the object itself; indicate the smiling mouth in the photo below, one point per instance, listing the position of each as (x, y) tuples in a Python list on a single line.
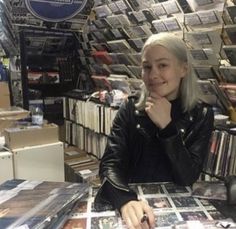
[(156, 84)]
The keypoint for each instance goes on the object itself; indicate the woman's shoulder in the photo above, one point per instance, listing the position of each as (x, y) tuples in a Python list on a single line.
[(203, 104), (129, 103), (203, 109)]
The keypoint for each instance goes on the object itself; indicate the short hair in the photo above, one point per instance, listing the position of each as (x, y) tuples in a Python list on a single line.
[(189, 90)]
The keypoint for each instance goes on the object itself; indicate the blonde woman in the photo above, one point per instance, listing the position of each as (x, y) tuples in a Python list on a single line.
[(161, 136)]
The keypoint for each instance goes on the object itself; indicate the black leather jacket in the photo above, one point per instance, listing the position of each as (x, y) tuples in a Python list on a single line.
[(133, 135)]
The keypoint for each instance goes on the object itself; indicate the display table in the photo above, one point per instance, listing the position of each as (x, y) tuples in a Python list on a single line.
[(171, 204), (62, 205)]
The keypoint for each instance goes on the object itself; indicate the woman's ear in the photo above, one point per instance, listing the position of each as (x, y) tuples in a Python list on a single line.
[(185, 69)]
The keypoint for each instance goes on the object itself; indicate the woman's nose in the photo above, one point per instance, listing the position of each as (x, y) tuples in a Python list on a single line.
[(153, 73)]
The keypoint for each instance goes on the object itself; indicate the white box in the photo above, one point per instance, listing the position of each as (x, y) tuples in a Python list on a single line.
[(6, 166), (40, 162)]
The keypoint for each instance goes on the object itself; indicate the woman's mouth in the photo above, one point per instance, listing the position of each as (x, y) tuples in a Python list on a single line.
[(156, 84)]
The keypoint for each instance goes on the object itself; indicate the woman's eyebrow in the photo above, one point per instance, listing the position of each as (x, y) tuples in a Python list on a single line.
[(157, 60)]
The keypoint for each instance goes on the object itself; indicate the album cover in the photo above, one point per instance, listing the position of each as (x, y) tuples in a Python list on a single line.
[(136, 70), (172, 24), (205, 202), (174, 188), (101, 57), (136, 17), (140, 4), (197, 5), (101, 82), (228, 73), (113, 21), (192, 19), (102, 11), (166, 219), (204, 39), (79, 223), (138, 31), (124, 20), (119, 33), (120, 58), (136, 43), (213, 94), (136, 58), (123, 6), (98, 69), (159, 26), (100, 23), (99, 36), (198, 54), (210, 17), (120, 46), (202, 20), (151, 189), (231, 10), (193, 215), (159, 202), (230, 32), (158, 10), (184, 202), (230, 52), (104, 222), (148, 15), (114, 8), (172, 7), (100, 46), (205, 72), (204, 56), (121, 69)]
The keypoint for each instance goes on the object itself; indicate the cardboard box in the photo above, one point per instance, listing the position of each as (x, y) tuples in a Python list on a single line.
[(9, 115), (4, 95), (6, 165), (40, 162), (19, 137)]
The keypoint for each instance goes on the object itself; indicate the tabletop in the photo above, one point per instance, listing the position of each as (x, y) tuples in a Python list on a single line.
[(171, 203)]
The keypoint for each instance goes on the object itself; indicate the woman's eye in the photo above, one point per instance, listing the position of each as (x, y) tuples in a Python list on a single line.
[(162, 65), (146, 67)]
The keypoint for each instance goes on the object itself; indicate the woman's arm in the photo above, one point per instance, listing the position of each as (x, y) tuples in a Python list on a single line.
[(115, 161), (187, 154)]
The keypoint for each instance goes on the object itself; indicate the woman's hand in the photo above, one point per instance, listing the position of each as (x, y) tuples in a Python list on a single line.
[(159, 111), (133, 212)]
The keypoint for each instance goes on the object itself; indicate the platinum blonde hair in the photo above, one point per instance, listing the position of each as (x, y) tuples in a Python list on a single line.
[(189, 90)]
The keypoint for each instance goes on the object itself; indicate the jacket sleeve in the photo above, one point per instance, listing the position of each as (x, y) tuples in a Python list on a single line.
[(187, 153), (114, 163)]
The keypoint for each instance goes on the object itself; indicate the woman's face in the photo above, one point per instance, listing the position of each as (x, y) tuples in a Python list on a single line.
[(162, 72)]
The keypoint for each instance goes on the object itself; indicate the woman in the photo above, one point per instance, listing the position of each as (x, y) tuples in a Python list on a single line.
[(164, 136)]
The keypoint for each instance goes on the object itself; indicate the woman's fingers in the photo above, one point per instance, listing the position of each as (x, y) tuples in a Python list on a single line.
[(138, 215)]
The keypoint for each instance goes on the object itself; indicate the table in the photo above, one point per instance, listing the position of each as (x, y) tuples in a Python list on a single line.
[(44, 204), (171, 204)]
